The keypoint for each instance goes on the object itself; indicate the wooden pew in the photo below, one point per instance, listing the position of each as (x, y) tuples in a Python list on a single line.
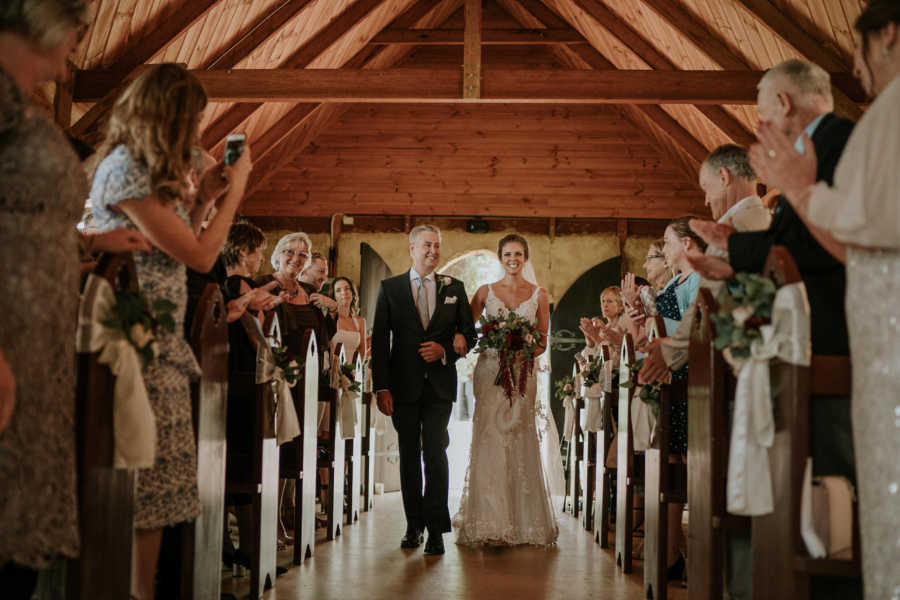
[(368, 417), (664, 483), (782, 567), (605, 481), (588, 467), (629, 466), (575, 453), (305, 491), (337, 449), (710, 388), (353, 451), (105, 493)]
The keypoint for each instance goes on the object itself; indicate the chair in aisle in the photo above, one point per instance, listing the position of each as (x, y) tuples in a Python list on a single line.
[(105, 492)]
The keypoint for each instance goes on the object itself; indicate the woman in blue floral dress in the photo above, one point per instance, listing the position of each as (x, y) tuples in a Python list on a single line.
[(143, 183)]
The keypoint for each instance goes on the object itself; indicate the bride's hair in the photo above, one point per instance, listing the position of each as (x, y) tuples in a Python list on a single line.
[(512, 237)]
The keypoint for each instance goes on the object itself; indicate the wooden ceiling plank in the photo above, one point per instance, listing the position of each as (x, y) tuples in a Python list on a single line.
[(471, 71), (543, 13), (255, 34), (414, 14), (140, 52), (446, 37), (216, 131), (296, 135)]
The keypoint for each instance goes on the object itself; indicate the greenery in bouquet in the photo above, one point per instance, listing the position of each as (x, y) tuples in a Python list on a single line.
[(565, 387), (349, 371), (742, 314), (648, 393), (515, 340), (141, 321), (593, 371), (289, 365)]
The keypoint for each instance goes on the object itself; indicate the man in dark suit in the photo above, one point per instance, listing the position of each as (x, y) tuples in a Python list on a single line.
[(417, 317), (795, 96)]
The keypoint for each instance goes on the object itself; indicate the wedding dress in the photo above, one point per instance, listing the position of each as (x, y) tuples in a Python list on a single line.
[(506, 498)]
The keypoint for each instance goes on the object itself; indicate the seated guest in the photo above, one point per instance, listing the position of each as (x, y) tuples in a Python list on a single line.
[(42, 192), (857, 218), (142, 182)]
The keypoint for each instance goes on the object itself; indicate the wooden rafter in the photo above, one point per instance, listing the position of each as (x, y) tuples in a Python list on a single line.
[(294, 135), (492, 37), (642, 86), (139, 53), (648, 53), (471, 71), (710, 44), (771, 17), (305, 54)]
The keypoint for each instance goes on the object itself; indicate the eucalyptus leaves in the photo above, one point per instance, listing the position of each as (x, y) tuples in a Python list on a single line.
[(290, 367), (648, 393), (140, 321), (740, 317)]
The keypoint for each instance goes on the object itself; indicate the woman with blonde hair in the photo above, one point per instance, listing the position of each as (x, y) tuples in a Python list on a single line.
[(142, 182)]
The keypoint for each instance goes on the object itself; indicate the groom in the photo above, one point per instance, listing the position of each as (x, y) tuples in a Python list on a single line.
[(416, 318)]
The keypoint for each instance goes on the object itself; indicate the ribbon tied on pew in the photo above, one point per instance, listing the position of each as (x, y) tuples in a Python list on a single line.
[(787, 338), (346, 398), (287, 424), (133, 418)]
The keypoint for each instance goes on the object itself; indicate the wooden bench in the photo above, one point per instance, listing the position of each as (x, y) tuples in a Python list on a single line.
[(588, 468), (782, 567), (710, 389), (629, 466), (305, 490), (664, 483), (368, 416), (573, 462), (105, 493), (604, 482), (337, 450), (353, 451)]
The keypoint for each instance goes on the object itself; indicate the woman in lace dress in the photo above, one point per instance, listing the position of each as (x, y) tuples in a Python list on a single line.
[(142, 183), (506, 499), (858, 221)]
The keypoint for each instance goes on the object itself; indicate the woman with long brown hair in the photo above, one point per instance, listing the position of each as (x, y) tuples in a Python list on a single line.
[(142, 183)]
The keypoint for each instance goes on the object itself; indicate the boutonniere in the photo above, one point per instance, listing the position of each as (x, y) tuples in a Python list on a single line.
[(443, 281)]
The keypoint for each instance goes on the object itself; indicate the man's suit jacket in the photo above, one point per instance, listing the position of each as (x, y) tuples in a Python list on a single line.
[(397, 334), (824, 276)]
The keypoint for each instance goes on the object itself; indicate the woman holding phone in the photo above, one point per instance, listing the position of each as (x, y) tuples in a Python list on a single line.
[(142, 183)]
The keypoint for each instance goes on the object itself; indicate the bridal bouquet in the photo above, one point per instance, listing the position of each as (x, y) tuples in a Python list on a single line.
[(284, 360), (140, 321), (515, 339), (738, 322)]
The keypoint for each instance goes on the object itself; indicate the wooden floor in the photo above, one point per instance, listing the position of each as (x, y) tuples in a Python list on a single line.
[(366, 562)]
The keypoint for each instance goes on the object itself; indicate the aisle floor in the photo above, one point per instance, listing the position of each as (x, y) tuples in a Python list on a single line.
[(366, 562)]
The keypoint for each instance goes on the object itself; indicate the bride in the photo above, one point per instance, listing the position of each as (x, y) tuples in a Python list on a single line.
[(506, 499)]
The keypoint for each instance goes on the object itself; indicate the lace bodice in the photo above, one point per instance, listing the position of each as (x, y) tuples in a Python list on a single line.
[(528, 309)]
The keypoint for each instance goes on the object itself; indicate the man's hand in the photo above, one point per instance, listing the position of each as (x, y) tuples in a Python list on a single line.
[(385, 402), (323, 301), (712, 268), (7, 393), (119, 240), (431, 351), (655, 368), (459, 344), (714, 234)]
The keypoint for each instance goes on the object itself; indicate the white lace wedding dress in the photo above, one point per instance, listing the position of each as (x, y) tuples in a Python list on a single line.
[(506, 498)]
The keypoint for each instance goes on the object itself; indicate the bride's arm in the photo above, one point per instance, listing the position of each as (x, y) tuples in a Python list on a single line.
[(543, 320), (477, 304)]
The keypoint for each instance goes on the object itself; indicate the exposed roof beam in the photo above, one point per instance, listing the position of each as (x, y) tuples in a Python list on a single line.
[(471, 70), (542, 13), (287, 138), (305, 54), (498, 85), (491, 37), (139, 53), (709, 43)]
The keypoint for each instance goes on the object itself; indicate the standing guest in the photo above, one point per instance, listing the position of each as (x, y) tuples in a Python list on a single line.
[(142, 182), (608, 330), (351, 327), (313, 278), (857, 218), (41, 199)]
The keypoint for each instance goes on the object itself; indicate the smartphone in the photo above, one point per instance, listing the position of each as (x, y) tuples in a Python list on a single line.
[(234, 147)]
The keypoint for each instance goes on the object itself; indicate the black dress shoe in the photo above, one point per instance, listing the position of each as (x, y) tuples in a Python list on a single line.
[(435, 544), (412, 539)]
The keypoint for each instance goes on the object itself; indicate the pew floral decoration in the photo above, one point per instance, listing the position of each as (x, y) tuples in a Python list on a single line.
[(648, 393), (140, 321), (515, 339), (739, 321), (593, 372), (348, 378), (291, 369), (565, 388)]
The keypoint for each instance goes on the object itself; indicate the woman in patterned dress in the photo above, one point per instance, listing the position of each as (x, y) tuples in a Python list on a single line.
[(142, 182)]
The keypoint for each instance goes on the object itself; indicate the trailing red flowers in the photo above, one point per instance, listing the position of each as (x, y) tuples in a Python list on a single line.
[(515, 339)]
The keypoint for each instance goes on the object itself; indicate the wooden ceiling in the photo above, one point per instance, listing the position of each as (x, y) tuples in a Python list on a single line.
[(580, 108)]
